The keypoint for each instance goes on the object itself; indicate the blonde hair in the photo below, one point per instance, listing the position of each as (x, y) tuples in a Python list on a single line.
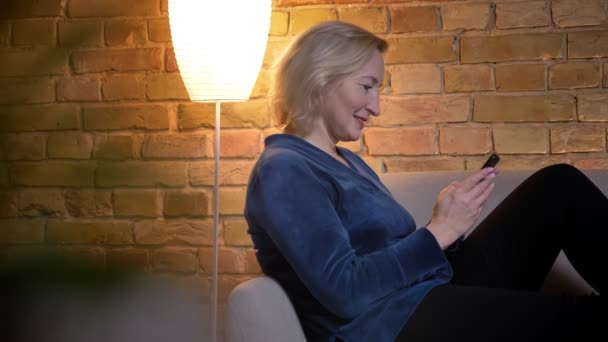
[(323, 54)]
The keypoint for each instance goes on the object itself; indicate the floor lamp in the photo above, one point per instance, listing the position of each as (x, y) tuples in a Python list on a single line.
[(219, 47)]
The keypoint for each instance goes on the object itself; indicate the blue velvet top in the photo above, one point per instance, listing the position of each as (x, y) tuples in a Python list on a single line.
[(348, 255)]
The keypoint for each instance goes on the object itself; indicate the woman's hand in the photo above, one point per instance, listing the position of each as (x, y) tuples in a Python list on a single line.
[(458, 206)]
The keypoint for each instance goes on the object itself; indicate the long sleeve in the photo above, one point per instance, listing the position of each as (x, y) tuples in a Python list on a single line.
[(296, 207)]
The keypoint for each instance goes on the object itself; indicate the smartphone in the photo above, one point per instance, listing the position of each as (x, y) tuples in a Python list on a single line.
[(492, 161)]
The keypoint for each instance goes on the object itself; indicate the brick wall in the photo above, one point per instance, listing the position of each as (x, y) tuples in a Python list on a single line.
[(103, 157)]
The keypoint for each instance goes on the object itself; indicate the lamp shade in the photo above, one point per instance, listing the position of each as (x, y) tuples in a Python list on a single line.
[(219, 45)]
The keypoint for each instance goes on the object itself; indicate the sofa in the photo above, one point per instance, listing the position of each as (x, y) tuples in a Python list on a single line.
[(259, 309)]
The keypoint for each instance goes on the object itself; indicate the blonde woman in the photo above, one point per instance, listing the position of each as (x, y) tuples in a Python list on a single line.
[(353, 261)]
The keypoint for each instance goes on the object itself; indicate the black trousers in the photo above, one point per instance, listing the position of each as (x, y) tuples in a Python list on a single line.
[(500, 268)]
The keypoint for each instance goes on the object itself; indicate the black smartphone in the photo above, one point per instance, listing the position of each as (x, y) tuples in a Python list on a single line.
[(492, 161)]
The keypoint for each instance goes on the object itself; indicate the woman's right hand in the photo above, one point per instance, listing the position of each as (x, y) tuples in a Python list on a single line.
[(458, 206)]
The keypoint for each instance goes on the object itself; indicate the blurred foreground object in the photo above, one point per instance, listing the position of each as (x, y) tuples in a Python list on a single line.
[(49, 298)]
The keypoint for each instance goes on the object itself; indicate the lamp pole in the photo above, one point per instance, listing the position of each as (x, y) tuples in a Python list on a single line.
[(216, 222)]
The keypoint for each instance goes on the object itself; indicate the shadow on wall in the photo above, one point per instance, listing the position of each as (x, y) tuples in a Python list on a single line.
[(55, 299)]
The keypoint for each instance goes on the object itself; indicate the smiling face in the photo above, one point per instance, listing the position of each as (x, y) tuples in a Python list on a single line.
[(348, 102)]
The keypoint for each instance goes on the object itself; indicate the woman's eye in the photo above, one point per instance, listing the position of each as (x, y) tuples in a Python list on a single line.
[(366, 87)]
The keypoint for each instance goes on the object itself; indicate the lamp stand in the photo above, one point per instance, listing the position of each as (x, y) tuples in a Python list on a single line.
[(216, 221)]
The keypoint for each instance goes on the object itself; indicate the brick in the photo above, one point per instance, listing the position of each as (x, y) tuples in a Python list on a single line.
[(518, 162), (523, 140), (232, 172), (570, 13), (539, 108), (89, 232), (138, 59), (251, 262), (17, 231), (26, 90), (229, 260), (34, 32), (513, 77), (134, 203), (464, 140), (113, 8), (418, 165), (31, 8), (127, 258), (33, 62), (8, 204), (401, 141), (138, 174), (25, 147), (465, 16), (185, 204), (279, 23), (304, 18), (33, 203), (78, 89), (232, 201), (70, 146), (89, 203), (174, 260), (591, 163), (166, 87), (4, 180), (248, 114), (171, 146), (170, 61), (195, 233), (273, 51), (414, 19), (69, 174), (463, 78), (422, 109), (124, 87), (76, 34), (290, 3), (3, 147), (522, 14), (159, 31), (90, 257), (577, 139), (593, 107), (574, 75), (39, 118), (4, 33), (126, 32), (373, 19), (117, 147), (262, 85), (235, 233), (415, 78), (588, 44), (239, 143), (420, 50), (479, 49), (118, 117)]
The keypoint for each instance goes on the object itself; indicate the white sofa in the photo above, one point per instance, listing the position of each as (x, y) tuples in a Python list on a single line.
[(259, 309)]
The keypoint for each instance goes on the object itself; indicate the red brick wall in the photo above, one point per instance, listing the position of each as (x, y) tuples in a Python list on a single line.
[(102, 156)]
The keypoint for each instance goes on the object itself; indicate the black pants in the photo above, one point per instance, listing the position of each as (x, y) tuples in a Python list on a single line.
[(500, 268)]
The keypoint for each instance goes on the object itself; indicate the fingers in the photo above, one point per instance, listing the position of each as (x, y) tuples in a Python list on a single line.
[(472, 180)]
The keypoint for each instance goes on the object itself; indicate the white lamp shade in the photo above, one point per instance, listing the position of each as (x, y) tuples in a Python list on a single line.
[(219, 45)]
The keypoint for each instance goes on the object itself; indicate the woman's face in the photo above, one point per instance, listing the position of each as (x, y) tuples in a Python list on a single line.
[(348, 103)]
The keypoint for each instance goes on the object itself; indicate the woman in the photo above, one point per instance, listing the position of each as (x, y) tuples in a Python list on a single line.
[(351, 258)]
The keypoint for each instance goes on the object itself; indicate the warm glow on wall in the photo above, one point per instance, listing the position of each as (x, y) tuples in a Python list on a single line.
[(219, 46)]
